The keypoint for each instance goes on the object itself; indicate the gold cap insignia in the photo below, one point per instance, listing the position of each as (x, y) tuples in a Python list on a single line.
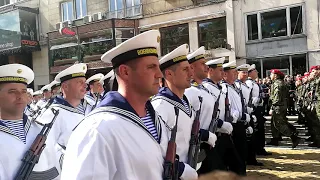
[(19, 71), (158, 39)]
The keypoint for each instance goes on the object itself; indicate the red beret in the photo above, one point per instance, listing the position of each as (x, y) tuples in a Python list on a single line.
[(277, 71), (314, 67), (306, 74)]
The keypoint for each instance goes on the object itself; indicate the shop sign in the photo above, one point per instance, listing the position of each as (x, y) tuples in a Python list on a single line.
[(67, 31)]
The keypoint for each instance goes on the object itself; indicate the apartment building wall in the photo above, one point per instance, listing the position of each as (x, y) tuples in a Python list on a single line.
[(165, 13)]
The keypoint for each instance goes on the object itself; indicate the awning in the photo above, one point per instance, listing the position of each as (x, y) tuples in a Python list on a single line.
[(66, 45)]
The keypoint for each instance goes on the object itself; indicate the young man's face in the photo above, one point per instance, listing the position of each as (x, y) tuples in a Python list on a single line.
[(13, 98)]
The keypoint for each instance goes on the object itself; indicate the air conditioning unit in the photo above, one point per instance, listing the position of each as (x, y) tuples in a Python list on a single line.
[(87, 19), (59, 25), (97, 16), (65, 24)]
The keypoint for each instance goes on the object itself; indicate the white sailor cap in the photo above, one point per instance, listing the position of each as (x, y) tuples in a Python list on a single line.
[(36, 93), (196, 55), (74, 71), (54, 84), (30, 91), (229, 65), (252, 67), (109, 75), (216, 62), (46, 88), (96, 77), (176, 56), (144, 44), (243, 67), (16, 73)]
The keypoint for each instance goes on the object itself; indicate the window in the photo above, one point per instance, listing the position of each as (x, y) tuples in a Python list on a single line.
[(213, 33), (281, 63), (4, 2), (123, 34), (274, 24), (124, 8), (172, 37), (67, 11), (81, 7), (296, 20), (252, 27), (299, 63)]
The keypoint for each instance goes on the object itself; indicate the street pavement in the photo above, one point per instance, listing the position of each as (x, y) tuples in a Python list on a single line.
[(302, 163)]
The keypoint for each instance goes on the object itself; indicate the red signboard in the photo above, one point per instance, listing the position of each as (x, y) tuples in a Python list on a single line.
[(29, 43), (67, 31)]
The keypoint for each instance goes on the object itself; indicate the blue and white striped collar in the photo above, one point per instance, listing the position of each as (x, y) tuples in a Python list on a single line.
[(208, 80), (175, 100), (26, 125), (114, 102)]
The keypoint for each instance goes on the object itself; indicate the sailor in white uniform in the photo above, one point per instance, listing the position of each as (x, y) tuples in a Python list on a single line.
[(93, 96), (224, 154), (177, 74), (121, 139), (29, 109), (257, 103), (46, 92), (73, 87), (55, 88), (240, 119), (17, 132), (246, 93), (200, 70), (109, 83), (36, 96)]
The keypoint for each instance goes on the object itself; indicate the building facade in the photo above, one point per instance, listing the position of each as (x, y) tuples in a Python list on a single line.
[(281, 34)]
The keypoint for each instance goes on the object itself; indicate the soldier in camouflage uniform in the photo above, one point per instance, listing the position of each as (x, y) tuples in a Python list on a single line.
[(279, 121), (313, 106), (299, 100)]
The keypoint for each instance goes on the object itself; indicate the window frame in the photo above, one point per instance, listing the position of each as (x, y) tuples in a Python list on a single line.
[(218, 29), (176, 45), (81, 8), (288, 20), (62, 10)]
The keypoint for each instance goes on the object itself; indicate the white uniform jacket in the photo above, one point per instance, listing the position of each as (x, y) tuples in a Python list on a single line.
[(164, 103), (215, 89), (207, 106), (28, 110), (90, 102), (112, 143), (256, 92), (242, 86), (12, 150), (234, 100), (68, 118), (41, 103)]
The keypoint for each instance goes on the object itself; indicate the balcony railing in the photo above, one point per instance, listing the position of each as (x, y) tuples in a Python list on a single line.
[(128, 12)]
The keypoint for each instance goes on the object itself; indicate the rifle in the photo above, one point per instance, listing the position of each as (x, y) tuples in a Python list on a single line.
[(38, 112), (96, 102), (32, 156), (195, 140), (212, 128), (171, 162), (250, 104), (228, 117)]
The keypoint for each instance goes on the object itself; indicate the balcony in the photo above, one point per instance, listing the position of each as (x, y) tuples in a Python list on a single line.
[(128, 12)]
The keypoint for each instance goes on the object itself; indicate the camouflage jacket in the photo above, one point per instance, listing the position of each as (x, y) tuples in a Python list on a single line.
[(279, 93)]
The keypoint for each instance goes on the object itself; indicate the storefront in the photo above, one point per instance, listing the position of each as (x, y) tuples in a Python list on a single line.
[(18, 35), (86, 43)]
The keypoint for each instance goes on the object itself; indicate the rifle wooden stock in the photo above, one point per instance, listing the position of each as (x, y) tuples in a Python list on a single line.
[(170, 166), (32, 156)]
